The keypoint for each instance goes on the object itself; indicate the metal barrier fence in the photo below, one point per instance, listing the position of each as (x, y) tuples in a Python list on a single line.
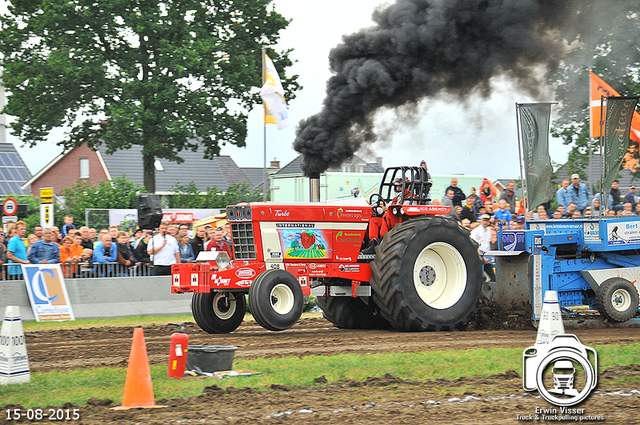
[(83, 270)]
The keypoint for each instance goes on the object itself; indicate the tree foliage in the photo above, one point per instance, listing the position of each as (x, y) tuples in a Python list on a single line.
[(612, 51), (188, 196), (167, 75), (119, 193)]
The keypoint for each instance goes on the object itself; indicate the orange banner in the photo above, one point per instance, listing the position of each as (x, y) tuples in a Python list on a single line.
[(598, 89)]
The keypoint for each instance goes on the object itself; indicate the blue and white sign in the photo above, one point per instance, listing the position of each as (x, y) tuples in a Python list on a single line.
[(47, 292), (623, 232)]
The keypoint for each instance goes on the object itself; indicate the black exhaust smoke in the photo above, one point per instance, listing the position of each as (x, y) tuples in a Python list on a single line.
[(419, 48)]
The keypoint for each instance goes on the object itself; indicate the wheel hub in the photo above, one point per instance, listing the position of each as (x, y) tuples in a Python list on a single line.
[(620, 300), (223, 306), (427, 275), (439, 275), (282, 299)]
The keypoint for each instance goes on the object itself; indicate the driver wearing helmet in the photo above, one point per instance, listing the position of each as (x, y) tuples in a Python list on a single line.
[(401, 197), (379, 223)]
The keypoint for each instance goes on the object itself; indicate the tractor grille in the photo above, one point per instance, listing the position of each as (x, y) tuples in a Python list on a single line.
[(244, 245)]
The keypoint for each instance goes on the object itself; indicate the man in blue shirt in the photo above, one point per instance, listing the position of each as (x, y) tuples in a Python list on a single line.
[(579, 193), (503, 214), (104, 252), (45, 251), (17, 251), (562, 194)]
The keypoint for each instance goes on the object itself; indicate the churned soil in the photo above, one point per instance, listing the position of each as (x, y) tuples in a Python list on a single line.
[(496, 399)]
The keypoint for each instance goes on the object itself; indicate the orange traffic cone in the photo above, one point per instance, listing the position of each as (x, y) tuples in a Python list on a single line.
[(138, 390)]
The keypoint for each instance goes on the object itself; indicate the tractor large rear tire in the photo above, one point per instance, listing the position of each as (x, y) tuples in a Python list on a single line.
[(351, 313), (427, 275), (276, 300), (218, 312)]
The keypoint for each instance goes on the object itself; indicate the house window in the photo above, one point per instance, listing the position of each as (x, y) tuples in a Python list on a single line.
[(84, 168)]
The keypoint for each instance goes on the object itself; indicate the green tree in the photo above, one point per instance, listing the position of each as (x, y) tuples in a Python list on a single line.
[(612, 51), (119, 193), (167, 75)]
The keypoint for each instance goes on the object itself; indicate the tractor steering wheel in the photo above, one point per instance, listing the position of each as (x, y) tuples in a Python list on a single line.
[(376, 202)]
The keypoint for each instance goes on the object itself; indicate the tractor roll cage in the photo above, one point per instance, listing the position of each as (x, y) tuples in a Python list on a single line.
[(416, 183)]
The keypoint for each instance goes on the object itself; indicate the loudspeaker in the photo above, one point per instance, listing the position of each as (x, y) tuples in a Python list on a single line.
[(149, 210)]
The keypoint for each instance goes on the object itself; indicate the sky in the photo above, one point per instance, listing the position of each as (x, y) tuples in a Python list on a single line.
[(475, 138)]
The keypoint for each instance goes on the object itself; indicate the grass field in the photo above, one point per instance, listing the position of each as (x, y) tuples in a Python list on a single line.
[(77, 386)]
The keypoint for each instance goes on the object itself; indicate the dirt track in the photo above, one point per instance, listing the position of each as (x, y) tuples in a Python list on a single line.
[(314, 336), (490, 400)]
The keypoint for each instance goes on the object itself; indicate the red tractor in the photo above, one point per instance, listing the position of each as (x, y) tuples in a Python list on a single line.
[(424, 274)]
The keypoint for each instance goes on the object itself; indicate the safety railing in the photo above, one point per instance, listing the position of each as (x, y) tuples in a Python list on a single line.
[(82, 270)]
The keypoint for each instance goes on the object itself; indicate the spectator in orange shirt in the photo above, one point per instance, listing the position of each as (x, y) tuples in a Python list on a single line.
[(69, 254)]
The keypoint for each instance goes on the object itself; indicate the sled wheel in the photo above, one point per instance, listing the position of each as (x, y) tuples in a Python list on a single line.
[(427, 275), (218, 312), (276, 300), (351, 313), (617, 299)]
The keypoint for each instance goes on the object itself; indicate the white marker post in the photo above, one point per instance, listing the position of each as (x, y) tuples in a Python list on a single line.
[(14, 362), (551, 319)]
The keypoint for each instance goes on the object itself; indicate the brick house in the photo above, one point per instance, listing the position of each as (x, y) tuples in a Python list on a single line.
[(83, 163)]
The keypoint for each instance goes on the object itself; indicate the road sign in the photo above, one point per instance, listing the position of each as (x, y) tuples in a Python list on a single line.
[(10, 206), (46, 195), (46, 215)]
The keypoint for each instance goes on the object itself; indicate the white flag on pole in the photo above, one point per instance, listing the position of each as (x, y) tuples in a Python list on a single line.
[(272, 94)]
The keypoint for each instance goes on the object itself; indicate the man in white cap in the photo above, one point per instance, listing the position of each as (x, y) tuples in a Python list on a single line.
[(579, 193)]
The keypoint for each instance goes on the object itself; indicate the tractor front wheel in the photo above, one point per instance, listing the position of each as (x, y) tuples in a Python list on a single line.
[(427, 275), (276, 300), (218, 312)]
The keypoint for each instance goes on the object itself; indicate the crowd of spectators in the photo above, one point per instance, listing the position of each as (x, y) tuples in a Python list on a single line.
[(482, 214), (112, 252), (87, 252)]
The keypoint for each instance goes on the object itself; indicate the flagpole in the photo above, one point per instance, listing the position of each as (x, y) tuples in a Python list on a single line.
[(522, 179), (602, 201), (264, 131), (590, 146)]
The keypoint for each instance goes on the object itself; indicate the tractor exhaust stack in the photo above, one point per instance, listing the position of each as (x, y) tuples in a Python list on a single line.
[(314, 188)]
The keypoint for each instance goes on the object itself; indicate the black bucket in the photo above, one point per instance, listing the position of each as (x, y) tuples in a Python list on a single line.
[(210, 358)]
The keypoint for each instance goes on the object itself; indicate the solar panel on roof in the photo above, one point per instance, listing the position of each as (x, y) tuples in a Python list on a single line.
[(24, 175), (15, 188), (13, 159), (14, 174)]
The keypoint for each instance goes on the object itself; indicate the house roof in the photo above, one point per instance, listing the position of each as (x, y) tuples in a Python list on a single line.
[(13, 171), (294, 167), (255, 175), (219, 172)]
